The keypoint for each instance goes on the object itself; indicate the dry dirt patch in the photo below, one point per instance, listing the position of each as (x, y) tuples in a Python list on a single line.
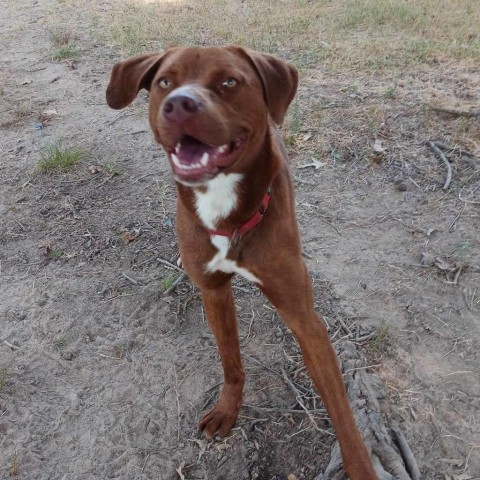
[(104, 376)]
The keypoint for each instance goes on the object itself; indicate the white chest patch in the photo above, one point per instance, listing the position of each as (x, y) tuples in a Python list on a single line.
[(214, 205), (222, 263), (219, 200)]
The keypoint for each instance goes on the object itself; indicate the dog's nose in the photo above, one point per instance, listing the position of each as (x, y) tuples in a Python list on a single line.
[(179, 107)]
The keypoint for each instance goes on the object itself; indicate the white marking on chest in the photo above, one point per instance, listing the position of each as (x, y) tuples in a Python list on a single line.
[(222, 263), (214, 205), (220, 199)]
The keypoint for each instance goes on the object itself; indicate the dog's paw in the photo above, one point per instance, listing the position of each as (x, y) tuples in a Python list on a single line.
[(218, 421), (222, 417)]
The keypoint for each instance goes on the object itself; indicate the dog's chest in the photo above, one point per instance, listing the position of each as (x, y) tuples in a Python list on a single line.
[(214, 205)]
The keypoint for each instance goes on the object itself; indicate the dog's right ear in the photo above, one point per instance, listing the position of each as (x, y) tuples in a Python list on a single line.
[(129, 77)]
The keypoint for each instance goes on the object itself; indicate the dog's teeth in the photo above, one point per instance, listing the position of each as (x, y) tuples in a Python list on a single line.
[(177, 148), (222, 149), (204, 159), (176, 161)]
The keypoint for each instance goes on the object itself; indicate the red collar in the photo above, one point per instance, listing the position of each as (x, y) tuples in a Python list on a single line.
[(252, 222)]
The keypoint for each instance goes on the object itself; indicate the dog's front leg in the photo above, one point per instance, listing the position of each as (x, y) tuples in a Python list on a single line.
[(289, 290), (220, 309)]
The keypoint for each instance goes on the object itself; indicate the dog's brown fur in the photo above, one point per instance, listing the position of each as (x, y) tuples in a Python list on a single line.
[(271, 251)]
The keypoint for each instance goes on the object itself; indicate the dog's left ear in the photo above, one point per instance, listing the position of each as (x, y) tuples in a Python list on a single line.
[(279, 81), (129, 77)]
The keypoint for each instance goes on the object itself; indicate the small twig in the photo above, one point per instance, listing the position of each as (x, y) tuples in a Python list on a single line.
[(11, 345), (442, 157), (344, 325), (119, 117), (306, 182), (169, 264), (106, 180), (458, 150), (454, 111), (472, 202), (241, 289), (468, 457), (452, 225), (457, 275), (174, 285), (286, 410), (298, 397), (178, 402), (251, 324), (361, 368), (407, 454), (364, 338), (130, 279), (108, 356), (157, 172)]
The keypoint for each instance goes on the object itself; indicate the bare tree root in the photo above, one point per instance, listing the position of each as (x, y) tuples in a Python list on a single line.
[(391, 455)]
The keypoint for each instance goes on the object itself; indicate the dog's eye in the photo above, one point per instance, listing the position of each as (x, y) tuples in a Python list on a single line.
[(164, 82), (229, 83)]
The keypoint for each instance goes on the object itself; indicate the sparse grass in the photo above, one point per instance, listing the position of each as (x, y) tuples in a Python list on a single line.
[(389, 92), (59, 343), (113, 169), (372, 14), (118, 352), (14, 469), (63, 42), (344, 35), (380, 340), (55, 254), (167, 282), (15, 116), (65, 52), (58, 159), (3, 377)]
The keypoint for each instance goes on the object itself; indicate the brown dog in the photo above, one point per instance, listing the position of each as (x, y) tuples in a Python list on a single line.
[(214, 110)]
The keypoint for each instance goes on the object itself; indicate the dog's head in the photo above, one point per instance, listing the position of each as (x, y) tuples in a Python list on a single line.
[(209, 107)]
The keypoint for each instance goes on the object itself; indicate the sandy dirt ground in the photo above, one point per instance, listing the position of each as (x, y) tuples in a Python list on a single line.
[(103, 375)]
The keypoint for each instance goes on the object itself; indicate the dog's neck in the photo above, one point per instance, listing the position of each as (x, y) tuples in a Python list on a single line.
[(228, 200)]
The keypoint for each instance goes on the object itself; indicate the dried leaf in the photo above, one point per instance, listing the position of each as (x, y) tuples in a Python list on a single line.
[(130, 235), (289, 418), (179, 470), (307, 136), (378, 148), (50, 113), (427, 259), (315, 163), (222, 446), (202, 443), (292, 477), (95, 169), (443, 264)]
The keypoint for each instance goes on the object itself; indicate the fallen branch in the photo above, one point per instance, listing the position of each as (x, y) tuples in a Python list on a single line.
[(442, 157), (455, 112)]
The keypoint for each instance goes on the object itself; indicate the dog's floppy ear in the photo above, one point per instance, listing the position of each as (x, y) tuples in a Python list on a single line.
[(279, 81), (129, 77)]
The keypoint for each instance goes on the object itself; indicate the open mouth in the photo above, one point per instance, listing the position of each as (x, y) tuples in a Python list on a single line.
[(194, 161)]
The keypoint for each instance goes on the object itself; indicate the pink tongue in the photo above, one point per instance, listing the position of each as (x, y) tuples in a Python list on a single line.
[(191, 150)]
